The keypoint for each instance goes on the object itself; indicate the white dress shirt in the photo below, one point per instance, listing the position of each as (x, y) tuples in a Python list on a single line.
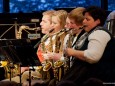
[(96, 46)]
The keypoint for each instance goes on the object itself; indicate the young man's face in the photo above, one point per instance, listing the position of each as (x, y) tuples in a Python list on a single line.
[(45, 24)]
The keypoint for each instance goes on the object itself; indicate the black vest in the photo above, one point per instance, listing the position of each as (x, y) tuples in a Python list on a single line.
[(103, 70)]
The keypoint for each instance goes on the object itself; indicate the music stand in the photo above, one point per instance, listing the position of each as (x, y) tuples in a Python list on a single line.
[(19, 51)]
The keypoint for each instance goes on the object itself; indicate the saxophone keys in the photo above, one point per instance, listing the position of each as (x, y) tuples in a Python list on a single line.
[(47, 66), (58, 63)]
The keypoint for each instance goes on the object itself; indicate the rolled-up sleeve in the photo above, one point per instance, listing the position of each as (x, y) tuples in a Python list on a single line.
[(96, 46)]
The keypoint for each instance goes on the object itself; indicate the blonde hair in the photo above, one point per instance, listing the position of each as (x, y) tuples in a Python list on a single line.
[(62, 15), (49, 13), (77, 15)]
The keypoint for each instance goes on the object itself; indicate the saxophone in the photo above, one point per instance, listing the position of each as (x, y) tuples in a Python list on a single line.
[(19, 33), (10, 69), (69, 43), (50, 47), (59, 64), (55, 46), (66, 59), (43, 43), (48, 63)]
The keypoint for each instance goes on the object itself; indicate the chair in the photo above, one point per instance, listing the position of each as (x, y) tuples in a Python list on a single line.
[(8, 83), (93, 82), (110, 23)]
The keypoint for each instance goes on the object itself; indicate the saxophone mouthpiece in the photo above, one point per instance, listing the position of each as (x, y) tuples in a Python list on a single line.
[(51, 30), (83, 27), (68, 29)]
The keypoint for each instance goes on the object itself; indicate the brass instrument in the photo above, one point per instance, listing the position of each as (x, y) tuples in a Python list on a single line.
[(47, 66), (3, 63), (59, 64), (69, 44), (43, 47), (11, 70), (47, 71), (66, 59), (50, 46), (83, 26), (55, 45), (46, 48), (25, 28), (39, 69), (19, 33), (58, 70)]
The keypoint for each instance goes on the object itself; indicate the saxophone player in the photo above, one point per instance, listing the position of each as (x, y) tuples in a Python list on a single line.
[(57, 25), (74, 23), (46, 26), (89, 55), (46, 30)]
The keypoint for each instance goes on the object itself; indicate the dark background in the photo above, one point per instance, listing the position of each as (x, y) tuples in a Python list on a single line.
[(14, 13)]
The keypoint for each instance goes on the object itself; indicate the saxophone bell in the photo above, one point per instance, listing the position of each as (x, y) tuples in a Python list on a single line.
[(47, 66)]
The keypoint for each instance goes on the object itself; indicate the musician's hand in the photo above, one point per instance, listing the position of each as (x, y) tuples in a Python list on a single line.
[(54, 56), (57, 56), (46, 55), (69, 51)]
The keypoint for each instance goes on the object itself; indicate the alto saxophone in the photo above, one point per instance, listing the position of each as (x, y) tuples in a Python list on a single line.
[(19, 33), (43, 43), (70, 43), (59, 64), (48, 63)]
